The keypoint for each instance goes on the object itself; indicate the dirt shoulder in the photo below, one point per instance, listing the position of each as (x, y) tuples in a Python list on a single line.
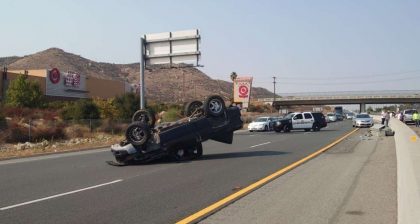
[(20, 150)]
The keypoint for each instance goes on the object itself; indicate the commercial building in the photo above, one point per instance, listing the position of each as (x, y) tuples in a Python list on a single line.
[(56, 84)]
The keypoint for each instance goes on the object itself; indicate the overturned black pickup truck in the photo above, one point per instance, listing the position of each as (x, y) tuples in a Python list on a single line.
[(181, 139)]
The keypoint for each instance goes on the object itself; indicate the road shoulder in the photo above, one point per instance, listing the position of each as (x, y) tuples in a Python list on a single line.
[(353, 182)]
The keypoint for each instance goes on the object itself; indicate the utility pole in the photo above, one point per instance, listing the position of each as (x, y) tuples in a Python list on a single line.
[(274, 95), (183, 85)]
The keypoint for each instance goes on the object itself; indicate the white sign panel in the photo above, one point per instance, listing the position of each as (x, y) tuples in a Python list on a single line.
[(172, 48), (242, 90), (66, 84)]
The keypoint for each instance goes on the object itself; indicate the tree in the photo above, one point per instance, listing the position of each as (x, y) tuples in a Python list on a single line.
[(233, 76), (127, 104), (24, 93)]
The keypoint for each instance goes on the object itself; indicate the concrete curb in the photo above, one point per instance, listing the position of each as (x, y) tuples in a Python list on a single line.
[(408, 172)]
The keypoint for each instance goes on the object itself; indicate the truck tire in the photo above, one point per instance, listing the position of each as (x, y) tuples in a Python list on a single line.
[(196, 152), (145, 117), (277, 129), (137, 133), (286, 128), (214, 106), (316, 127), (193, 107)]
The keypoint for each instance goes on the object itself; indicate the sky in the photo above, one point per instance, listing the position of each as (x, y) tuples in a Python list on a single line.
[(309, 46)]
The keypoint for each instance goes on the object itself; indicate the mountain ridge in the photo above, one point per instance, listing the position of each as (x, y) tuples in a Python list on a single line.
[(164, 85)]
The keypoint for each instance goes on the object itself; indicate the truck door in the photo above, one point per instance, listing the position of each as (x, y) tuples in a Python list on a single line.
[(297, 121), (308, 120)]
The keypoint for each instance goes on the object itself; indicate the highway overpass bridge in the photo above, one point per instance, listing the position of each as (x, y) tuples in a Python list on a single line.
[(350, 97)]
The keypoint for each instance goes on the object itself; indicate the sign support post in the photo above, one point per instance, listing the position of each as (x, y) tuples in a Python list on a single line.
[(142, 64)]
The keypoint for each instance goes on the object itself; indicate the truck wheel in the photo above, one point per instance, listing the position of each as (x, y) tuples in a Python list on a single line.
[(137, 133), (277, 129), (144, 116), (214, 106), (193, 107), (316, 127), (197, 151), (286, 128)]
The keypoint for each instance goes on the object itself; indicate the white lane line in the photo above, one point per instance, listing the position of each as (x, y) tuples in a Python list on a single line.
[(59, 195), (265, 143)]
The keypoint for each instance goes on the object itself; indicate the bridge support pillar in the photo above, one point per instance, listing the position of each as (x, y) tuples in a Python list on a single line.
[(362, 108)]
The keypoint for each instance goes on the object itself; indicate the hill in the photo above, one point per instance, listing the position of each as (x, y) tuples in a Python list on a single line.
[(162, 84)]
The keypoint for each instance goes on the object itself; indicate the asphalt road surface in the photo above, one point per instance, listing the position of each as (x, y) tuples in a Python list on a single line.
[(82, 188)]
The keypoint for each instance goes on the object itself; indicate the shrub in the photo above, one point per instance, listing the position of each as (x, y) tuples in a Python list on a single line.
[(113, 126), (127, 104), (77, 131), (15, 133), (18, 131), (107, 108), (56, 105), (3, 122), (47, 133), (81, 109), (29, 113)]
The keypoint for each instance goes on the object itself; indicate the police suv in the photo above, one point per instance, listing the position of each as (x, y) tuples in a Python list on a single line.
[(304, 120)]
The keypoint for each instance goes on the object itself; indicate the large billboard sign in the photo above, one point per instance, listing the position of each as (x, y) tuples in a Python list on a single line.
[(169, 48), (180, 48), (66, 84), (242, 90)]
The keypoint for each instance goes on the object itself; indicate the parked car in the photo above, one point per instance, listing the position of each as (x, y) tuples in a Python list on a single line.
[(340, 117), (363, 120), (305, 121), (408, 115), (350, 115), (331, 117), (261, 124)]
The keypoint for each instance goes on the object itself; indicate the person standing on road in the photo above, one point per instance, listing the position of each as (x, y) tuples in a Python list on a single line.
[(387, 117), (401, 116), (383, 114), (416, 118)]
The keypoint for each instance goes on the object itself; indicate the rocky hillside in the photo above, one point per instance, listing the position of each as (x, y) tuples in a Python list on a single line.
[(162, 84)]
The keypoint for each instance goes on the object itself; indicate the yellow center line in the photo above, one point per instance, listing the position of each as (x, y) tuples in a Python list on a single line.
[(225, 201)]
